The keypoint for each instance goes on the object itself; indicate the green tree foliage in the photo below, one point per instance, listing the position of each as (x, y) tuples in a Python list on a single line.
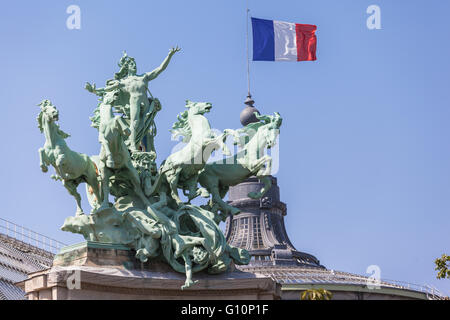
[(442, 266), (316, 294)]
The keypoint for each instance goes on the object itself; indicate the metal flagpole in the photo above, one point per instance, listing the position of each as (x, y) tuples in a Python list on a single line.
[(247, 115), (248, 61)]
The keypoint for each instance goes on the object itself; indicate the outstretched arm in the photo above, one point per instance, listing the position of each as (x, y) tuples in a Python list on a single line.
[(92, 88), (153, 74)]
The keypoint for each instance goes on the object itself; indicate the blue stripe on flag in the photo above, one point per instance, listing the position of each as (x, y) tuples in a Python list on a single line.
[(263, 40)]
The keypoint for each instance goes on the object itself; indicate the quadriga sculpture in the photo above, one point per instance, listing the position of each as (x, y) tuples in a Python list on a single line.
[(71, 167), (217, 177), (147, 213)]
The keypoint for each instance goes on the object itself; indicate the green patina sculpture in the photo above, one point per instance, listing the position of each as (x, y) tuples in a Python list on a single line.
[(148, 215), (218, 176), (71, 167), (181, 168)]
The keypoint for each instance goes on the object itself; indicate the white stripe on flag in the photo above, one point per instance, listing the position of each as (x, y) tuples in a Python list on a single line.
[(285, 41)]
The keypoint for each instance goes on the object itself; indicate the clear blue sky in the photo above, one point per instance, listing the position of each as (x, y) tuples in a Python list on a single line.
[(364, 148)]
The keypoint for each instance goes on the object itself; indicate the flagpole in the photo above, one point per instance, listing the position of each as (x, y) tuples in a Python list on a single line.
[(248, 59), (249, 101)]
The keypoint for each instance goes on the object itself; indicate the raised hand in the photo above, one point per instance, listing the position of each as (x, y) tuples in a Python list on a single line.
[(89, 87), (173, 50)]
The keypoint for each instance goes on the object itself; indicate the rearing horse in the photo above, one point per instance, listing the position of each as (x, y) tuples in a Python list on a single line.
[(217, 177), (71, 167), (180, 170), (115, 159)]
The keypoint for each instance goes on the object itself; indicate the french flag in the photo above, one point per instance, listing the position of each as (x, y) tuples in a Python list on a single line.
[(283, 41)]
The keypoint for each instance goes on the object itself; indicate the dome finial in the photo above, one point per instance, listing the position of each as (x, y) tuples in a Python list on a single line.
[(247, 115), (249, 101)]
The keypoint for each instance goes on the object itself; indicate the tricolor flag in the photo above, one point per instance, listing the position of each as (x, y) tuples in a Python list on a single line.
[(283, 41)]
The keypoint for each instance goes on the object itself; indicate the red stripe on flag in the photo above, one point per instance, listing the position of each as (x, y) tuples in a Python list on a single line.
[(306, 42)]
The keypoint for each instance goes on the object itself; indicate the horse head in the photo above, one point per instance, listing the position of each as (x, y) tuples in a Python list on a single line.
[(195, 108), (182, 126), (48, 113), (272, 127)]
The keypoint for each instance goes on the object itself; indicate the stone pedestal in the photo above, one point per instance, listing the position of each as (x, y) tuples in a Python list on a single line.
[(100, 271)]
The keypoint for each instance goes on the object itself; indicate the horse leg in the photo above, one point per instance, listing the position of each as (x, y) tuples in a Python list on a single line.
[(267, 181), (106, 174), (43, 161), (71, 186), (109, 158), (256, 166), (93, 185), (268, 168), (223, 190), (194, 191), (263, 174), (217, 198), (59, 163), (223, 145), (172, 179), (211, 183)]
